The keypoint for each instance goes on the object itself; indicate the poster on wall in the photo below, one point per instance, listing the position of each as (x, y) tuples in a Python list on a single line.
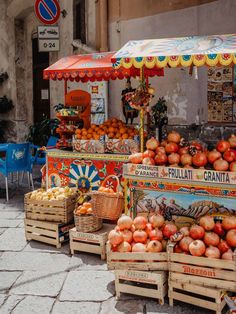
[(221, 87)]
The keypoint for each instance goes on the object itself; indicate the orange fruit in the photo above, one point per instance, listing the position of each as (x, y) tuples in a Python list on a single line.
[(84, 137), (89, 211), (96, 137), (111, 129), (89, 136), (90, 130), (93, 126), (78, 136), (125, 136), (83, 210), (78, 131), (101, 189), (110, 135), (87, 205), (122, 130)]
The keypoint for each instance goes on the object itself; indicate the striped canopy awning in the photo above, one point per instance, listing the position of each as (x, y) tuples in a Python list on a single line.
[(172, 52), (92, 67)]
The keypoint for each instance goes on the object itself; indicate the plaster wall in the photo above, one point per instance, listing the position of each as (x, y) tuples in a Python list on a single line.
[(186, 97)]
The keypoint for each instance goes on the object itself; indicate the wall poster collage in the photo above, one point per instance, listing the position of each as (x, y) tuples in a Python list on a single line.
[(222, 94)]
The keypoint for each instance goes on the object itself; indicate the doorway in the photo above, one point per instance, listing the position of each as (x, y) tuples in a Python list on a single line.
[(41, 95)]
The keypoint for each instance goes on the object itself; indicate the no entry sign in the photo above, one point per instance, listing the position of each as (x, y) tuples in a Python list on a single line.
[(47, 11)]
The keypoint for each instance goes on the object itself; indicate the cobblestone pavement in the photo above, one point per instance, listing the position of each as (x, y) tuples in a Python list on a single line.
[(38, 278)]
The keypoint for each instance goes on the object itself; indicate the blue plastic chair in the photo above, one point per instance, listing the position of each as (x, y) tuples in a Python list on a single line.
[(18, 159), (40, 155)]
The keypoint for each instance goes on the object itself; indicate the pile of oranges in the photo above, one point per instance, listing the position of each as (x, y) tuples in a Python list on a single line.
[(108, 190), (113, 128), (84, 209)]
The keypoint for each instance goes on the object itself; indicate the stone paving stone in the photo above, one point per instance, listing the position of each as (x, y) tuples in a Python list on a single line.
[(13, 239), (2, 299), (34, 261), (88, 286), (34, 246), (89, 262), (7, 279), (21, 215), (125, 306), (4, 214), (9, 223), (10, 303), (34, 305), (2, 230), (21, 225), (76, 308), (40, 283)]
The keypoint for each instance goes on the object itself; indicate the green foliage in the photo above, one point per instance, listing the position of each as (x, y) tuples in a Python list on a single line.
[(40, 132)]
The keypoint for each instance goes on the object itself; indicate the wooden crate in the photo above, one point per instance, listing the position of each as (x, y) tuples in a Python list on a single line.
[(139, 261), (206, 297), (55, 211), (92, 242), (202, 271), (147, 284), (47, 232)]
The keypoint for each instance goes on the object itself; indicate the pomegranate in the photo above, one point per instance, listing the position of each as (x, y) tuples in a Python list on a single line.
[(213, 156), (156, 234), (196, 232), (124, 247), (199, 159), (115, 237), (223, 246), (232, 166), (176, 237), (140, 236), (197, 145), (230, 155), (160, 150), (168, 230), (218, 229), (127, 235), (183, 150), (197, 248), (164, 245), (184, 230), (229, 222), (154, 246), (232, 141), (222, 146), (228, 255), (139, 248), (161, 159), (221, 165), (212, 252), (148, 161), (186, 159), (163, 143), (231, 237), (171, 147), (132, 229), (124, 222), (140, 222), (174, 137), (185, 242), (174, 159), (207, 222), (157, 220), (188, 167), (152, 144), (177, 249), (148, 228), (149, 153), (211, 238), (136, 158)]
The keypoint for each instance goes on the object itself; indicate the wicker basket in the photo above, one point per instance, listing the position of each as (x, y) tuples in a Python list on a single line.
[(87, 223), (108, 206)]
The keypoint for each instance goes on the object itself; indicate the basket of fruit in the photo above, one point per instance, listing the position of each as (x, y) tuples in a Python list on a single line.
[(108, 200), (86, 219)]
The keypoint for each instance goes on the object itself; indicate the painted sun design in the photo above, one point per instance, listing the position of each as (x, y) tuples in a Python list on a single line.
[(88, 175)]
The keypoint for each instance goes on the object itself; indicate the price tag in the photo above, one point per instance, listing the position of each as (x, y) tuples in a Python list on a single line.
[(48, 45)]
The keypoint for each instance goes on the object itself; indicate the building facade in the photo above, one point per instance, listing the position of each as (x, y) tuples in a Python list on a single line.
[(101, 25)]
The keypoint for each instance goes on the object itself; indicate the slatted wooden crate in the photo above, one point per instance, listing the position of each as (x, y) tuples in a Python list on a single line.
[(92, 242), (55, 211), (206, 297), (202, 271), (147, 284), (144, 261), (47, 232)]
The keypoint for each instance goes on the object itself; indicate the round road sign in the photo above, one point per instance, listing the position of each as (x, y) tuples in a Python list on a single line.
[(47, 11)]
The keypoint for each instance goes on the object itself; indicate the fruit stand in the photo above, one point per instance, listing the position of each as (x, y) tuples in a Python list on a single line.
[(98, 150)]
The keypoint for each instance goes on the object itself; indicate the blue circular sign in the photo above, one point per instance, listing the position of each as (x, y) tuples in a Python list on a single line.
[(47, 11)]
